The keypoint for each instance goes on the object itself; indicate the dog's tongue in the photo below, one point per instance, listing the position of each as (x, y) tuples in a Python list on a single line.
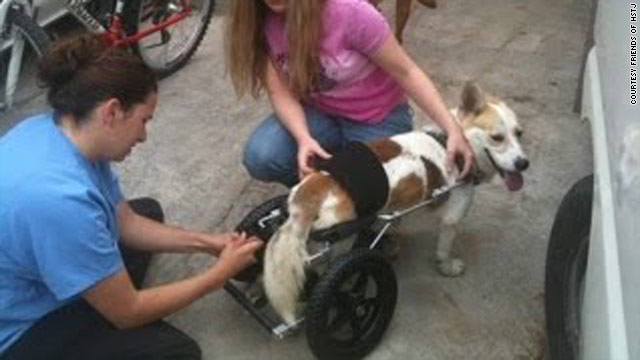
[(513, 180)]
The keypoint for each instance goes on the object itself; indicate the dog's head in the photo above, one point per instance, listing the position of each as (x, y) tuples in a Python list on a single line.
[(493, 131)]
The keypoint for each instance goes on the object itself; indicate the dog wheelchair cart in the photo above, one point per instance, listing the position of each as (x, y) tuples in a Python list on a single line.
[(350, 292)]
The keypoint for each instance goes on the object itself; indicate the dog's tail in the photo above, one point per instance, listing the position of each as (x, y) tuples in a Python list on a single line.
[(286, 253)]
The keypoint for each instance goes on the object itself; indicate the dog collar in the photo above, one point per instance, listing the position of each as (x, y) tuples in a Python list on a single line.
[(493, 162), (441, 138)]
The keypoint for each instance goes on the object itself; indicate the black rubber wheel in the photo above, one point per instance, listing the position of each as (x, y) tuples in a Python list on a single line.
[(37, 37), (168, 50), (36, 44), (565, 268), (351, 306), (262, 222)]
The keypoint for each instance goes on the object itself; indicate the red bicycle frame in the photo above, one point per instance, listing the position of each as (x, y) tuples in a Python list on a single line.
[(115, 34)]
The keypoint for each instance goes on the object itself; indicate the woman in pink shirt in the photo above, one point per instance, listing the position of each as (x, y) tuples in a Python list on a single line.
[(334, 73)]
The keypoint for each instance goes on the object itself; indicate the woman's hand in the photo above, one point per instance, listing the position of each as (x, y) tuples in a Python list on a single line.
[(307, 149), (214, 243), (237, 254), (458, 148)]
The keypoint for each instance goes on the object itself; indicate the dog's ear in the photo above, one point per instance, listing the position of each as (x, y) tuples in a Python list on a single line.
[(473, 99)]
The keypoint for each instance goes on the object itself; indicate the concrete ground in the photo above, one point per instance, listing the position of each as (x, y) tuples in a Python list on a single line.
[(526, 52)]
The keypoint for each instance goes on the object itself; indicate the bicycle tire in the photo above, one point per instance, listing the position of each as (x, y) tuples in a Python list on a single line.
[(134, 16), (38, 41)]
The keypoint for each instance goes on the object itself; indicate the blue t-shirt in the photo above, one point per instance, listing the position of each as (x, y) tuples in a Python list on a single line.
[(58, 224)]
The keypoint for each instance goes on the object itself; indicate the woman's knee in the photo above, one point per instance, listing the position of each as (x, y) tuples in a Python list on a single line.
[(264, 168), (269, 154), (257, 159)]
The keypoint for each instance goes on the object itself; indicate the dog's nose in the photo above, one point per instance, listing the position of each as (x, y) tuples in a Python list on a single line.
[(522, 164)]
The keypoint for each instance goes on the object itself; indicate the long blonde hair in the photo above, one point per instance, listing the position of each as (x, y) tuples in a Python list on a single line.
[(247, 48)]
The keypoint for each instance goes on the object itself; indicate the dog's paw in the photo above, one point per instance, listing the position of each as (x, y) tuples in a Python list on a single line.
[(451, 267)]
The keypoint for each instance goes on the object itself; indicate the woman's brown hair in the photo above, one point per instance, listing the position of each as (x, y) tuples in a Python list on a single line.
[(247, 48), (84, 71)]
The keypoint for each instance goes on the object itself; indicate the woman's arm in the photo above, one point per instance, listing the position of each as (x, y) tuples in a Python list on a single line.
[(125, 307), (395, 61), (290, 113), (138, 232)]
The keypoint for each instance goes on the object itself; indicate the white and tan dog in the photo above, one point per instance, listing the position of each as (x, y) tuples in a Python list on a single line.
[(414, 163)]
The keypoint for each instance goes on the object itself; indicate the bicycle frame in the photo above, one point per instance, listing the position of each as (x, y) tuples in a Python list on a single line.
[(24, 5), (114, 34), (17, 47)]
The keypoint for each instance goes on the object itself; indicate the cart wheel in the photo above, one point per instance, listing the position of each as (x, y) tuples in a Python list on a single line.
[(262, 222), (351, 306)]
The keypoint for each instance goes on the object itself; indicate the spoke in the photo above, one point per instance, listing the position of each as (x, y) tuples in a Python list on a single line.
[(164, 55), (371, 309), (340, 320), (372, 305), (148, 9), (145, 16), (360, 287), (343, 307), (167, 46), (356, 326), (178, 34)]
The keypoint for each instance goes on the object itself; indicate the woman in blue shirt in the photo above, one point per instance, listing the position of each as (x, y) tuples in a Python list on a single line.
[(65, 291)]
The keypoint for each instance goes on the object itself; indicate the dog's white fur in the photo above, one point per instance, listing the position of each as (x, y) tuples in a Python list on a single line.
[(318, 202)]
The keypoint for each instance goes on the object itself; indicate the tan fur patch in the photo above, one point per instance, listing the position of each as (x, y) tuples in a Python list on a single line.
[(385, 149), (314, 191), (486, 119), (346, 209), (311, 194), (409, 191)]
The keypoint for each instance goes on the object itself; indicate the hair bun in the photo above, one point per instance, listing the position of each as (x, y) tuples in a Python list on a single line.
[(67, 57)]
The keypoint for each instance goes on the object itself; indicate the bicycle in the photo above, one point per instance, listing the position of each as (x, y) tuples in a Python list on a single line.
[(17, 30), (164, 33)]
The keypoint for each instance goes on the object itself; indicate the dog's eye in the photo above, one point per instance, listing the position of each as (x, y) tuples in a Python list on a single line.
[(518, 133), (497, 138)]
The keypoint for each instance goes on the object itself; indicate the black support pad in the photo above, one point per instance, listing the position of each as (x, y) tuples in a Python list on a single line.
[(357, 169)]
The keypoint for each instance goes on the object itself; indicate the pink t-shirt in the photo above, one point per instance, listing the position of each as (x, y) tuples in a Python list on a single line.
[(349, 84)]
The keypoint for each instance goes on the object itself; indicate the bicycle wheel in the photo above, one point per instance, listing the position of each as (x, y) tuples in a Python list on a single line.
[(24, 43), (168, 50)]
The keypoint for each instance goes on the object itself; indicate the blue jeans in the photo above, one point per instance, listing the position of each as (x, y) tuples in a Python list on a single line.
[(271, 152)]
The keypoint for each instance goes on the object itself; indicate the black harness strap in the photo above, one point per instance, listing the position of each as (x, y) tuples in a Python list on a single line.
[(441, 138)]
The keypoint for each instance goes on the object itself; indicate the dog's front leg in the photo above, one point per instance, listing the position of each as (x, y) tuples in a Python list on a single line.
[(455, 210), (403, 9)]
